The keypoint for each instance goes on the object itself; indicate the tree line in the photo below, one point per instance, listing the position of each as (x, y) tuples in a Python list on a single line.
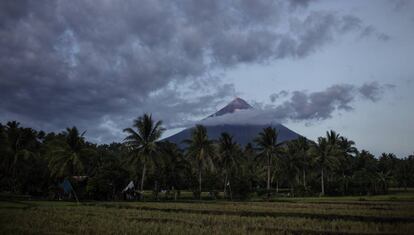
[(35, 162)]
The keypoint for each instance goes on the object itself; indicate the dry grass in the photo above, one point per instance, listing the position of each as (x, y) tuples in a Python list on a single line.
[(322, 216)]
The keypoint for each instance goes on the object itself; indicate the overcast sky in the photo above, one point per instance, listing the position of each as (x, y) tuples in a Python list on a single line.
[(312, 65)]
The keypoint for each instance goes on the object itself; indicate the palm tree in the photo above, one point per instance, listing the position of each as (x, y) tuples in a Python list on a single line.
[(388, 162), (291, 163), (348, 152), (67, 157), (277, 174), (324, 155), (332, 137), (202, 149), (347, 146), (250, 166), (382, 179), (344, 151), (143, 141), (302, 145), (5, 152), (175, 166), (14, 140), (228, 151), (269, 148), (365, 174), (19, 145)]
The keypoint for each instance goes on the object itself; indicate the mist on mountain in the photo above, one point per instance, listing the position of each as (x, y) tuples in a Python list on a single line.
[(241, 120)]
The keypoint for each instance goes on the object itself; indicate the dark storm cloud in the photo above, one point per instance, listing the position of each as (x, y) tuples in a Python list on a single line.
[(305, 106), (97, 65)]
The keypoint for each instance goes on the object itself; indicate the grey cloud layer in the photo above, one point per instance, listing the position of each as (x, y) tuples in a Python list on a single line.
[(83, 62), (305, 106), (321, 105)]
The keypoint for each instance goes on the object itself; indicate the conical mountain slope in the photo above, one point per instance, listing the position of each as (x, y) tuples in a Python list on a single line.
[(235, 105), (242, 133)]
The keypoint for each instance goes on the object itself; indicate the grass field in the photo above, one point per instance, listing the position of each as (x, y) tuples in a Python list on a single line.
[(392, 214)]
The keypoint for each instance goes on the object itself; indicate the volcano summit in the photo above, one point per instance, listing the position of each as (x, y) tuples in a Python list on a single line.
[(235, 119), (235, 105)]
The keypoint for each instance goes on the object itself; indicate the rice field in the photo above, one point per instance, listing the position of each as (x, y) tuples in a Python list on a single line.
[(346, 215)]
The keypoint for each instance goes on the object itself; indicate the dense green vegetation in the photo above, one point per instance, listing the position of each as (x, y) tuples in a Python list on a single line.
[(321, 215), (34, 163)]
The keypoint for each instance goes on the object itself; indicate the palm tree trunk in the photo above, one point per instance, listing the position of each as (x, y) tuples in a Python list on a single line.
[(343, 186), (304, 177), (386, 187), (156, 189), (303, 171), (346, 185), (225, 184), (76, 196), (199, 183), (277, 186), (268, 176), (322, 183), (13, 185), (142, 180), (231, 194), (268, 173)]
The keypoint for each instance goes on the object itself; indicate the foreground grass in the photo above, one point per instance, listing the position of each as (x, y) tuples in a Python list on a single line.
[(349, 215)]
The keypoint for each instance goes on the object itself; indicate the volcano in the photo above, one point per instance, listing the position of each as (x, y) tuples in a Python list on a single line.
[(243, 133)]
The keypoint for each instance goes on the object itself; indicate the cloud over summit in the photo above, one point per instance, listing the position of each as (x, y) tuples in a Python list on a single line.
[(304, 106)]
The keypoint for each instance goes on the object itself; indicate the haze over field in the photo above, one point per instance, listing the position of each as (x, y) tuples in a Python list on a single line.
[(310, 65)]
